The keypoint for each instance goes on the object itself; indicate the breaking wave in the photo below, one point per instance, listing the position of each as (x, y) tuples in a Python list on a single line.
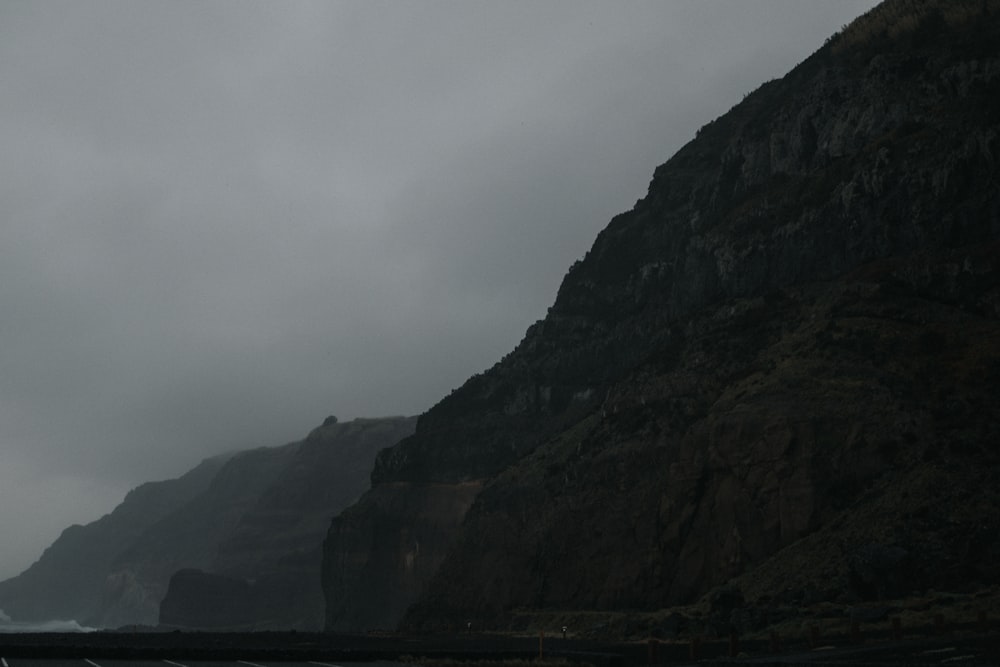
[(7, 625)]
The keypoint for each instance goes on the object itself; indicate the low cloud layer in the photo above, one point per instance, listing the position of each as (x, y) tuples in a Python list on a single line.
[(222, 221)]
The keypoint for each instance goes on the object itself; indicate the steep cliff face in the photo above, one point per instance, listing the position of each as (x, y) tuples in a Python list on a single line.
[(274, 546), (256, 518), (189, 537), (67, 581), (781, 416), (222, 601), (389, 550), (804, 305)]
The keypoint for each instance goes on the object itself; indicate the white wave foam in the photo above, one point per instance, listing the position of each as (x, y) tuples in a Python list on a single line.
[(6, 625)]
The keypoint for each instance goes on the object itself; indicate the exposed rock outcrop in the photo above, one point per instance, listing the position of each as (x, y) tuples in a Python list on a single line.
[(68, 580), (256, 518), (187, 538), (387, 554), (276, 544), (210, 601), (804, 306)]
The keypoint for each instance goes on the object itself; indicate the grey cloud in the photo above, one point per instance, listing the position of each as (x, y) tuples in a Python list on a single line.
[(222, 221)]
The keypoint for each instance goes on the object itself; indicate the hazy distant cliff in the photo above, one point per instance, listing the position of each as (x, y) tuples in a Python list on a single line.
[(254, 515), (275, 547), (799, 319), (68, 579)]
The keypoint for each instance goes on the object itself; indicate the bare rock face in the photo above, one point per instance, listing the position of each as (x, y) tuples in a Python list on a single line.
[(256, 517), (188, 538), (693, 473), (387, 554), (69, 579), (209, 601), (798, 321), (273, 548)]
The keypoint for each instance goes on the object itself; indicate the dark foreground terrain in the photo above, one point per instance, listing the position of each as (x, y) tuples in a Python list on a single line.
[(944, 646)]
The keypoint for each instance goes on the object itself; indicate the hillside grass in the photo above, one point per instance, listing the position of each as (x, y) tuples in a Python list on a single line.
[(897, 19)]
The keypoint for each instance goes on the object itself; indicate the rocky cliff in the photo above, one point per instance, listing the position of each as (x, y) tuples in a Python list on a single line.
[(252, 520), (798, 323), (189, 537), (273, 549), (67, 581)]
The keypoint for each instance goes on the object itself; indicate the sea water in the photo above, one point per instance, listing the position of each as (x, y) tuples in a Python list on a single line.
[(7, 625)]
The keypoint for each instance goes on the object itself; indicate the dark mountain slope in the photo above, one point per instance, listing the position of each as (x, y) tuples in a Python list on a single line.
[(66, 582), (256, 518), (803, 307), (275, 547), (700, 470), (330, 469), (187, 538)]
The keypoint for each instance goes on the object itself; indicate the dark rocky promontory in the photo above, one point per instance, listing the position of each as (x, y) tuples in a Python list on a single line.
[(784, 357)]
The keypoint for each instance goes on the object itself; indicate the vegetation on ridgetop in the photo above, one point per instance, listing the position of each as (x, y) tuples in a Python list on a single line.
[(918, 21)]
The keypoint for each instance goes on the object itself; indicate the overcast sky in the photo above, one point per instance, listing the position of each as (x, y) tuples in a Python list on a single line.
[(221, 222)]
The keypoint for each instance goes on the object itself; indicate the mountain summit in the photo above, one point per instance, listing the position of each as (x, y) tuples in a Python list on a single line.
[(778, 370)]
